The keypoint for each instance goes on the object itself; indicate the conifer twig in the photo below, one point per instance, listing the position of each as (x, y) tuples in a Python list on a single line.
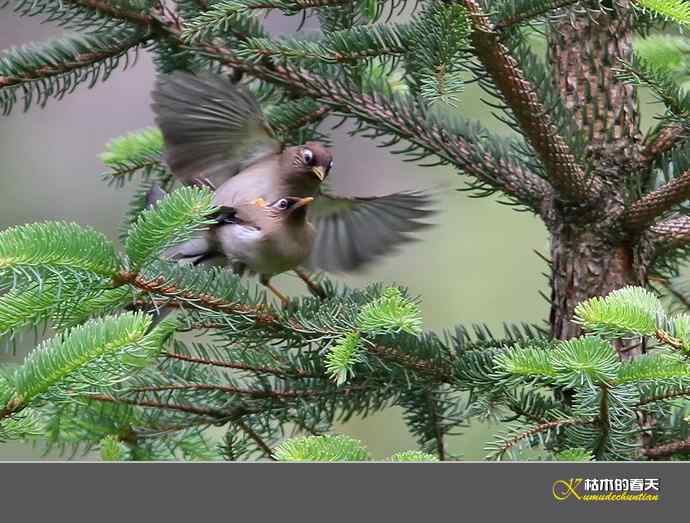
[(654, 204), (671, 234), (562, 169), (662, 142), (667, 449), (82, 60)]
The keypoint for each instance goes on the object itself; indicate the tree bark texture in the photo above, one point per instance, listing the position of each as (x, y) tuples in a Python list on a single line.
[(588, 258)]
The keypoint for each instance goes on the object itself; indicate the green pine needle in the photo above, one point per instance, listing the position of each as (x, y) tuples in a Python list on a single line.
[(660, 366), (23, 425), (626, 313), (137, 151), (677, 11), (438, 56), (392, 313), (39, 71), (679, 328), (585, 361), (27, 307), (95, 355), (322, 448), (412, 455), (112, 449), (577, 454), (57, 247), (343, 356), (228, 17), (525, 362), (667, 52), (174, 220)]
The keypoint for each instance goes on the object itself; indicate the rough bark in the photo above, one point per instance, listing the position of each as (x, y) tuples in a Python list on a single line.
[(591, 259)]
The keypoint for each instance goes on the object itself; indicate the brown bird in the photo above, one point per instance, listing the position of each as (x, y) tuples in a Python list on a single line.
[(263, 238), (216, 134)]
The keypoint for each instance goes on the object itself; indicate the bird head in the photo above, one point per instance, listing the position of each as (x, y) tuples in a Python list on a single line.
[(289, 208), (311, 159)]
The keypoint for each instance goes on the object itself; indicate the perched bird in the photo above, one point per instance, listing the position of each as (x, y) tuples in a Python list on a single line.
[(264, 238), (216, 134)]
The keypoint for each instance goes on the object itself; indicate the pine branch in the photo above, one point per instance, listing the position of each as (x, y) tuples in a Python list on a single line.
[(137, 151), (664, 397), (281, 373), (567, 177), (667, 449), (405, 120), (56, 248), (663, 141), (38, 72), (174, 219), (677, 11), (498, 451), (348, 46), (223, 15), (263, 317), (112, 10), (438, 432), (280, 395), (215, 414), (513, 13), (673, 233), (257, 439), (91, 357), (656, 203), (90, 14)]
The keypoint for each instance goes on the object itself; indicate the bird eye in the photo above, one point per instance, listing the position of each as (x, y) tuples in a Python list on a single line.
[(283, 204), (308, 156), (330, 166)]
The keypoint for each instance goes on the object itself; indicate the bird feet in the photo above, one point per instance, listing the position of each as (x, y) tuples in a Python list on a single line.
[(283, 299), (313, 287)]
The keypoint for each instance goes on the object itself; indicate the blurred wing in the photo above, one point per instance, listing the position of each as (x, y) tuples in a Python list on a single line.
[(351, 232), (211, 127)]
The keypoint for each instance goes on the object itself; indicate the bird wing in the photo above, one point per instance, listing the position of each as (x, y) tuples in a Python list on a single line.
[(212, 128), (353, 231)]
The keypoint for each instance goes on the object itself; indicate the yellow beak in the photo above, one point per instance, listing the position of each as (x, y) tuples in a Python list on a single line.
[(303, 202), (319, 172)]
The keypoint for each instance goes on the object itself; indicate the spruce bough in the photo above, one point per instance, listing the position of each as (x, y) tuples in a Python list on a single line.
[(606, 379)]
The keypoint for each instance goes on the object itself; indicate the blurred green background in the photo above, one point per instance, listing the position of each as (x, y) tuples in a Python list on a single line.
[(477, 265)]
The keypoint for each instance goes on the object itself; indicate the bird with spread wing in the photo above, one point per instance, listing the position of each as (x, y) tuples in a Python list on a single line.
[(216, 134)]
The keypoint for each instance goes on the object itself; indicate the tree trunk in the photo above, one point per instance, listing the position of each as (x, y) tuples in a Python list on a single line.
[(587, 260), (585, 265)]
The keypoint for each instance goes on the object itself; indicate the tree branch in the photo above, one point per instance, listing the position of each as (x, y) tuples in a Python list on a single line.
[(671, 234), (257, 439), (264, 317), (438, 429), (250, 393), (662, 142), (187, 409), (661, 200), (113, 11), (668, 449), (563, 171), (240, 366), (82, 60), (532, 13)]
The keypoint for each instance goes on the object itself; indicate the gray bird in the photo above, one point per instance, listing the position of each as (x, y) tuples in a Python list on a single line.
[(216, 134)]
